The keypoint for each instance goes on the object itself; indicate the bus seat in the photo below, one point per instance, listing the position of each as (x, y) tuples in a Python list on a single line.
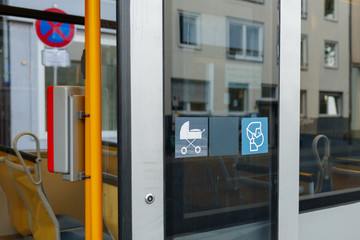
[(110, 200), (20, 219), (44, 223)]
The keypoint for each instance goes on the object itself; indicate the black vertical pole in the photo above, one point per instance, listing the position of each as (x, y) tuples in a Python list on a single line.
[(124, 119)]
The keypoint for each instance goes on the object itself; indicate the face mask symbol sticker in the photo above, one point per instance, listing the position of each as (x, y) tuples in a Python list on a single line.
[(255, 136)]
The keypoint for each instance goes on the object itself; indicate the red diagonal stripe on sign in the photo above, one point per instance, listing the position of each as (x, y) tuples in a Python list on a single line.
[(55, 28)]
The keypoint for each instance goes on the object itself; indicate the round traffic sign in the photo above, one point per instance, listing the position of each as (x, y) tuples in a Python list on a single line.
[(54, 34)]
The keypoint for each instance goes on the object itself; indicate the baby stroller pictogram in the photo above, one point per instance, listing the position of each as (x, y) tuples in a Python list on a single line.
[(190, 136)]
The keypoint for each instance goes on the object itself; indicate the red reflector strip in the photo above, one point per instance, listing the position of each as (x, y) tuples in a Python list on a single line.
[(50, 127)]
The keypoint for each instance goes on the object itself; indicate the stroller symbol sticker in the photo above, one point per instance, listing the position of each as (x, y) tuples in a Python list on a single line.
[(254, 135), (190, 137)]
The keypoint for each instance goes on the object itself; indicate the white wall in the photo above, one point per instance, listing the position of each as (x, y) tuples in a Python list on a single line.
[(338, 223)]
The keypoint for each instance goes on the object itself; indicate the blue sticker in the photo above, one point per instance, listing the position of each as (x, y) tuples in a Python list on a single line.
[(191, 137), (254, 135), (223, 136)]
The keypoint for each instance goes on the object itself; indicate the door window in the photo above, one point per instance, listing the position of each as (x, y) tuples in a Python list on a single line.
[(221, 116)]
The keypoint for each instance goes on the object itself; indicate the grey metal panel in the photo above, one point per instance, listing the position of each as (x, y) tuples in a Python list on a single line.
[(76, 138), (61, 126), (61, 151), (147, 118), (289, 117)]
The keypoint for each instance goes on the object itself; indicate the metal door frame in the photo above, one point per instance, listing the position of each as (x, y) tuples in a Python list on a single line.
[(140, 116)]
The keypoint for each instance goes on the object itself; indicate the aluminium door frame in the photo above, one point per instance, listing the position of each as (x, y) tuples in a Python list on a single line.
[(140, 98), (289, 119), (140, 119)]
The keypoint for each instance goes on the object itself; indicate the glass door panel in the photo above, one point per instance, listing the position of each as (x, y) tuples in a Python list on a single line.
[(221, 79)]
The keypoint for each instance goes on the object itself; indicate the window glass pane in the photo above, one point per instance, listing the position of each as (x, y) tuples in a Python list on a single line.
[(108, 87), (252, 41), (189, 95), (304, 9), (303, 103), (329, 11), (331, 117), (236, 39), (255, 1), (72, 76), (323, 104), (245, 39), (220, 185), (237, 97), (330, 54), (25, 75), (188, 29), (268, 91), (304, 53)]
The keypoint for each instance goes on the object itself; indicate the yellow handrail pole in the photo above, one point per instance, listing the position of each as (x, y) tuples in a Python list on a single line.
[(94, 77), (94, 65), (87, 130)]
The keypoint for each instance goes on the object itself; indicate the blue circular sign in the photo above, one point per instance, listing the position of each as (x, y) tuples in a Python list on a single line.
[(54, 34)]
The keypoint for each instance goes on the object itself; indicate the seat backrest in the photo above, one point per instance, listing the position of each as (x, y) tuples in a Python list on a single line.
[(110, 202), (18, 212), (43, 221)]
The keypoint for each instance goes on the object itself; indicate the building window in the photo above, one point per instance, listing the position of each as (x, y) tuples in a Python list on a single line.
[(303, 103), (304, 9), (254, 1), (238, 97), (245, 40), (330, 9), (269, 91), (330, 104), (71, 76), (189, 30), (330, 56), (189, 95), (304, 52)]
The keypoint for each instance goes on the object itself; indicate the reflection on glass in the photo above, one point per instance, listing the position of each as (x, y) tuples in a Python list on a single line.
[(73, 76), (252, 41), (23, 83), (210, 90), (236, 39), (189, 95), (330, 101), (245, 39), (304, 9), (237, 96), (329, 9), (304, 52), (188, 29), (330, 54)]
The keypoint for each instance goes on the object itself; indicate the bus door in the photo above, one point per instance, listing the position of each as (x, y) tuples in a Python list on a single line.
[(201, 98)]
